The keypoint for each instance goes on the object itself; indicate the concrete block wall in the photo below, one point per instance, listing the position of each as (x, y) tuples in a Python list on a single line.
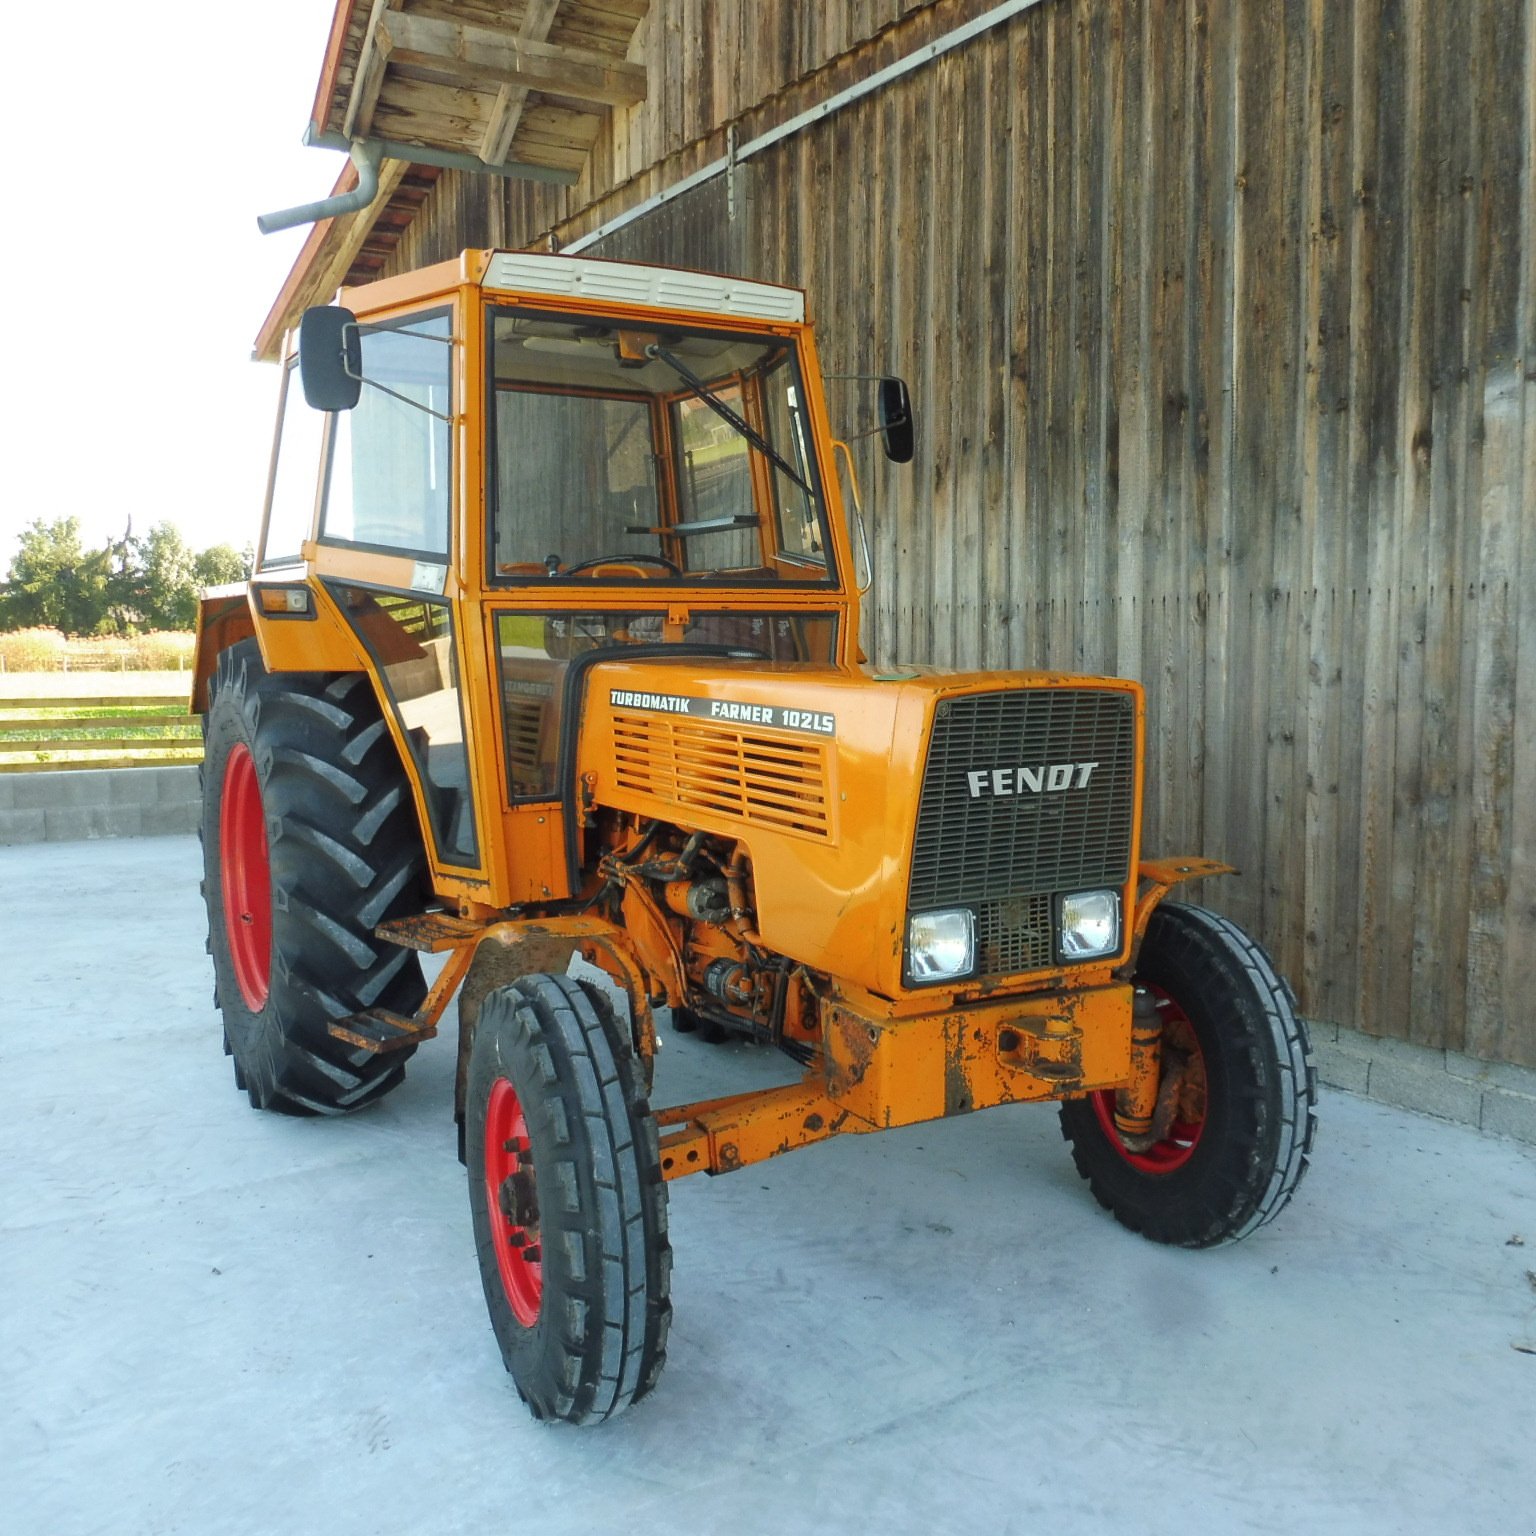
[(142, 802), (1492, 1096), (97, 802)]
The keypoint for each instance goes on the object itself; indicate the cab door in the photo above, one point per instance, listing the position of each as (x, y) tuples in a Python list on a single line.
[(384, 557)]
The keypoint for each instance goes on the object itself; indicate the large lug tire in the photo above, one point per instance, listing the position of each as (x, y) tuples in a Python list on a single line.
[(309, 841), (566, 1192), (1242, 1130)]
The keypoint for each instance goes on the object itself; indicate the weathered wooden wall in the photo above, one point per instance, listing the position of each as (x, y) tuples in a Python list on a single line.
[(1221, 322), (710, 62)]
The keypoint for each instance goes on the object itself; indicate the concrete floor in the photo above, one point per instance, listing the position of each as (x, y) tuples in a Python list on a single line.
[(215, 1320)]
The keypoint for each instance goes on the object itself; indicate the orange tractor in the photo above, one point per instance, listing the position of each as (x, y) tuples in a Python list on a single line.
[(551, 667)]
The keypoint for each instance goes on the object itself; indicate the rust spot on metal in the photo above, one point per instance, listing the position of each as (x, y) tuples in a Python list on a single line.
[(730, 1157), (814, 1122), (957, 1087), (852, 1049)]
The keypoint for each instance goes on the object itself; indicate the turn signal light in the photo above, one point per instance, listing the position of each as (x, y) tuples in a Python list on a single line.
[(286, 602)]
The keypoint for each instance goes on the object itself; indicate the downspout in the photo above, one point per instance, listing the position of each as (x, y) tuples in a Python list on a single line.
[(365, 155)]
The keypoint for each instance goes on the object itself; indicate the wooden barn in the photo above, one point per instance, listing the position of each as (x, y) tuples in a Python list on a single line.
[(1220, 323)]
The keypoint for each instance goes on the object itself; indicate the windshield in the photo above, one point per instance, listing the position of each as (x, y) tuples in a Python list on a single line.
[(658, 455)]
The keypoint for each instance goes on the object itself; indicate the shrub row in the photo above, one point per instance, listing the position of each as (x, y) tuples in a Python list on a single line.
[(47, 650)]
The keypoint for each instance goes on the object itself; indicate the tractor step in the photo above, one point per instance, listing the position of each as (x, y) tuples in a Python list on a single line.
[(378, 1030), (429, 932)]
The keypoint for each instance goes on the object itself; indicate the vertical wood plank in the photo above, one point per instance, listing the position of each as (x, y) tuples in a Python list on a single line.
[(1325, 980), (1382, 85)]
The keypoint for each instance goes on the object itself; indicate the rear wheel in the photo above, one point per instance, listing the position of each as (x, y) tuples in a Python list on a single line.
[(309, 841), (566, 1193), (1239, 1091)]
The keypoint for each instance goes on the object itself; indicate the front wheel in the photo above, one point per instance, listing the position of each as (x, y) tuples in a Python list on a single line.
[(567, 1198), (1239, 1082)]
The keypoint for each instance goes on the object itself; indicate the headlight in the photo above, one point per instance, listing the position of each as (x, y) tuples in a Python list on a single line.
[(1090, 924), (941, 944)]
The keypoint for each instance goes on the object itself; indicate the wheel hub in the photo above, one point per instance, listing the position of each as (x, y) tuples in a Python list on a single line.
[(245, 878), (1179, 1120), (512, 1200)]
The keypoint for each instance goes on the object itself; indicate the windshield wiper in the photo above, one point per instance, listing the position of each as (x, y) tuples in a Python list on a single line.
[(721, 409)]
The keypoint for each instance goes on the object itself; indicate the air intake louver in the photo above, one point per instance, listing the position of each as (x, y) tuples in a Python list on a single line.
[(761, 780), (987, 839)]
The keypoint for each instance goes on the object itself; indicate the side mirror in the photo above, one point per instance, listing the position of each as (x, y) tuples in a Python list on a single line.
[(331, 358), (896, 428)]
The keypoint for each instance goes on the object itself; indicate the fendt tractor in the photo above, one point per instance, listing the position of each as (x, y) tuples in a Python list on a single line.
[(550, 668)]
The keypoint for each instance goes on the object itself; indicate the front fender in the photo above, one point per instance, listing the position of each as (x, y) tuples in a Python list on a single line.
[(1156, 878)]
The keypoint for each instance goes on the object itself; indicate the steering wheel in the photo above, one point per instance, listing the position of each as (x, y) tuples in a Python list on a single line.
[(670, 566)]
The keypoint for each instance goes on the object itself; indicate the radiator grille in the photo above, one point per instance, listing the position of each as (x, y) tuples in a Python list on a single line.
[(757, 779), (1006, 854)]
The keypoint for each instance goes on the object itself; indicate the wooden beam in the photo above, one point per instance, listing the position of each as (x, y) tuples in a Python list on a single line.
[(369, 79), (507, 113), (483, 55)]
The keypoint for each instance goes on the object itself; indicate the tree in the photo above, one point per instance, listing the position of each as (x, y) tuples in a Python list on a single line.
[(54, 581), (168, 583), (129, 583), (221, 563)]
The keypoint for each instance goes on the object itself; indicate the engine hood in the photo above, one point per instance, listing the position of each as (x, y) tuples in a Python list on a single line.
[(817, 771)]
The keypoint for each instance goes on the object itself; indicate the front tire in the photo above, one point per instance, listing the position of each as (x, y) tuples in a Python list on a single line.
[(1245, 1112), (566, 1193), (309, 841)]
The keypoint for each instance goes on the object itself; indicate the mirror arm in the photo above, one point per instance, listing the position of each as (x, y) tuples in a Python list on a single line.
[(840, 445), (895, 421), (384, 388), (406, 399)]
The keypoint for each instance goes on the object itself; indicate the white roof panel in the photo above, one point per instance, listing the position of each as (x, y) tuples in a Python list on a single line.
[(626, 282)]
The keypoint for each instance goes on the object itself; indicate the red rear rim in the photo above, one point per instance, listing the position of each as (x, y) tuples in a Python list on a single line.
[(245, 876), (1188, 1125), (511, 1198)]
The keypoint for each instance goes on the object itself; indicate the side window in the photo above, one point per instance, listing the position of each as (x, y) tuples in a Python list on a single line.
[(291, 486), (800, 533), (390, 480)]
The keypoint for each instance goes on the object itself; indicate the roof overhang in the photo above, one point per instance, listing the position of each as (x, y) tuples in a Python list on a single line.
[(508, 90)]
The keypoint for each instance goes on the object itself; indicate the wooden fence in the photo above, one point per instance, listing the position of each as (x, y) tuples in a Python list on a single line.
[(133, 731)]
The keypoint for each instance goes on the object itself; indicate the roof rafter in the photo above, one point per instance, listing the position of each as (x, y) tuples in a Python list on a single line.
[(474, 53), (496, 143), (370, 76)]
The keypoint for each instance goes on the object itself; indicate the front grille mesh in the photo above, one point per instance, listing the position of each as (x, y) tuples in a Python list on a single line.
[(1006, 854), (1014, 936)]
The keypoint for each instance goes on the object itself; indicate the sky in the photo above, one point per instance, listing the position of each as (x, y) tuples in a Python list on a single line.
[(145, 143)]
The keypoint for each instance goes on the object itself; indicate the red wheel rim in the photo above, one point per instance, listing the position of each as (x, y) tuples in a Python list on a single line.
[(1188, 1125), (511, 1200), (245, 878)]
